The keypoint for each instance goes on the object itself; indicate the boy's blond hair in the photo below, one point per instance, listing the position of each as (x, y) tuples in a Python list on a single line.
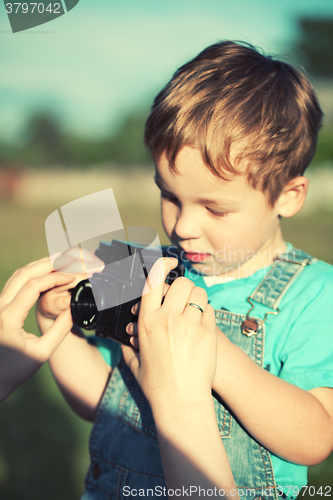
[(234, 103)]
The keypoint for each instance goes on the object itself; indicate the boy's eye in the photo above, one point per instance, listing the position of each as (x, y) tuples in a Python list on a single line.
[(216, 214)]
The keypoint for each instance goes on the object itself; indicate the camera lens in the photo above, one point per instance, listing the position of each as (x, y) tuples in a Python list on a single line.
[(83, 306)]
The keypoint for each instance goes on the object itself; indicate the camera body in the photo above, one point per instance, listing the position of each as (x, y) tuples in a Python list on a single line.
[(103, 302)]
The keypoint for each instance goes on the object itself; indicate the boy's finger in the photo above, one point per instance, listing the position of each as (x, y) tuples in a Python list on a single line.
[(48, 342), (50, 306), (136, 308), (135, 342), (20, 306), (132, 329), (152, 294)]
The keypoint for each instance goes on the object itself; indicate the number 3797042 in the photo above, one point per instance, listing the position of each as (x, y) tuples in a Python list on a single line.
[(32, 7), (323, 491)]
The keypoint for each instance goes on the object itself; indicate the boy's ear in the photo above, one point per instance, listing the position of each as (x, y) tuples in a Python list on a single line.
[(293, 196)]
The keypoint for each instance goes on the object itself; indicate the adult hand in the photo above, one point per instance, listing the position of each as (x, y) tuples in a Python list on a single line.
[(177, 358), (175, 368), (74, 261), (22, 353)]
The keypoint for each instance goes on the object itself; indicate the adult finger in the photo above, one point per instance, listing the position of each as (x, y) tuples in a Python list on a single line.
[(75, 267), (77, 253), (78, 260), (20, 306), (152, 294), (136, 308), (196, 303), (39, 261), (61, 289), (208, 318), (178, 295), (21, 276)]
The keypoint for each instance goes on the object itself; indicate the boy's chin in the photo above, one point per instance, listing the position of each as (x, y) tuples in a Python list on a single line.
[(213, 269)]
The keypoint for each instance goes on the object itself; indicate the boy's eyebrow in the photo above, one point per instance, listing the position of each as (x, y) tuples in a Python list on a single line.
[(208, 201)]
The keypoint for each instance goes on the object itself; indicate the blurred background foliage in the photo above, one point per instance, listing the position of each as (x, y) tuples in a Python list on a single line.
[(314, 47), (45, 141), (43, 444)]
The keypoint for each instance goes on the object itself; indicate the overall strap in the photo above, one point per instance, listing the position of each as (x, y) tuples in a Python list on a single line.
[(285, 268)]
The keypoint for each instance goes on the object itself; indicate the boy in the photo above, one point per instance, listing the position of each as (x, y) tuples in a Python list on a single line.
[(231, 135)]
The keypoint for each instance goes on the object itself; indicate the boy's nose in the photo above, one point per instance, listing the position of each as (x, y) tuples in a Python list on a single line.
[(187, 227)]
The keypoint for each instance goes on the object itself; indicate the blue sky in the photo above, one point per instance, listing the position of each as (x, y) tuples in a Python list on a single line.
[(106, 57)]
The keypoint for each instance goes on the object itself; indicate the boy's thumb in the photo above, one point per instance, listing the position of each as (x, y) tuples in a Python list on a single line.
[(56, 334)]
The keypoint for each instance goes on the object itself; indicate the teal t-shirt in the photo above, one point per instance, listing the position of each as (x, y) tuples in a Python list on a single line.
[(298, 341)]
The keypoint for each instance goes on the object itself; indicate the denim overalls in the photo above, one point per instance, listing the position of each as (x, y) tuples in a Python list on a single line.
[(123, 443)]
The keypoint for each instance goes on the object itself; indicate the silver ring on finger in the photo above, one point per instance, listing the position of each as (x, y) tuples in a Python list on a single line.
[(195, 305)]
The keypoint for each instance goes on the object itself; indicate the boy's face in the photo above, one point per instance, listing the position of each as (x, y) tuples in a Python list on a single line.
[(220, 225)]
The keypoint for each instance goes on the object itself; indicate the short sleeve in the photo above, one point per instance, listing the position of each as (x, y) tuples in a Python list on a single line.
[(110, 350), (307, 353)]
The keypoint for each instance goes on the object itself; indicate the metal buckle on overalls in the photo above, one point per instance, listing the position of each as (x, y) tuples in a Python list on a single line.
[(304, 263), (250, 325)]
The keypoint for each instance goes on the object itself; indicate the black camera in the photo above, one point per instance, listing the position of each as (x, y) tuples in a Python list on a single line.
[(103, 302)]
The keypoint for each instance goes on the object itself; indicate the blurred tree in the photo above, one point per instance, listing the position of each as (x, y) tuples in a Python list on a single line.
[(314, 47), (7, 153), (126, 146), (86, 151), (324, 153), (44, 141)]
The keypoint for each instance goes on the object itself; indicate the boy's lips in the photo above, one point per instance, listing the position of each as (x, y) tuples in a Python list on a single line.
[(196, 256)]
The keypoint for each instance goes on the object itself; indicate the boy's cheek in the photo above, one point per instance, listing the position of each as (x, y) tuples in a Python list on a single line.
[(169, 217)]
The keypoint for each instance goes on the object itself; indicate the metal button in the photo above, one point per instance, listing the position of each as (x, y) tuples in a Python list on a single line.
[(96, 471)]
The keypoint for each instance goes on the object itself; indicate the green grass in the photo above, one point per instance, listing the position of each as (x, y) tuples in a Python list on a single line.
[(43, 444)]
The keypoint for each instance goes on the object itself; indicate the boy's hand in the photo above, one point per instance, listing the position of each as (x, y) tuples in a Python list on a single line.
[(177, 357), (22, 353), (53, 302)]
